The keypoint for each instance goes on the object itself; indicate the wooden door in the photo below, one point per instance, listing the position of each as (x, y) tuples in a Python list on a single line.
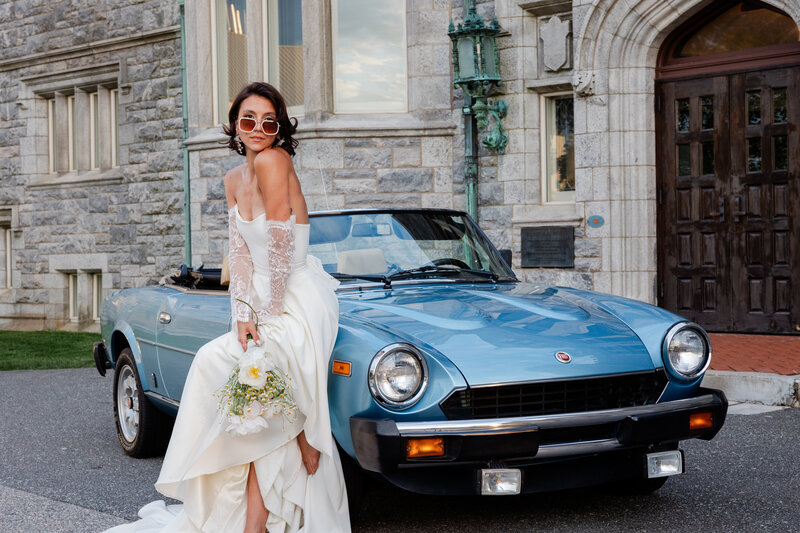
[(728, 220)]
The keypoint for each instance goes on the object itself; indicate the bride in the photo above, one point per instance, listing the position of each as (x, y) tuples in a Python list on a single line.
[(286, 477)]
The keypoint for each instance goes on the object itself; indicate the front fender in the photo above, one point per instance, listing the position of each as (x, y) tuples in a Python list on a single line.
[(357, 343)]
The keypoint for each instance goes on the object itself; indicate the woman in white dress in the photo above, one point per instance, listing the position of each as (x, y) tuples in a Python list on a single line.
[(286, 477)]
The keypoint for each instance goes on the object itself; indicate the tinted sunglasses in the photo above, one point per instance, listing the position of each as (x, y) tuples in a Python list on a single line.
[(268, 125)]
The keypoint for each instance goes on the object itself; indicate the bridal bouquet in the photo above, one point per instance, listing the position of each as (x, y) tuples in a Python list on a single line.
[(256, 391)]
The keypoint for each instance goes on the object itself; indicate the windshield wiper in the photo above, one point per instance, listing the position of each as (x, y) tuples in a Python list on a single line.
[(433, 269), (387, 283)]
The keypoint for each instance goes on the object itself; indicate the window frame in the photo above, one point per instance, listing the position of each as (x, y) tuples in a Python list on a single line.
[(544, 136), (72, 296), (97, 294), (7, 259)]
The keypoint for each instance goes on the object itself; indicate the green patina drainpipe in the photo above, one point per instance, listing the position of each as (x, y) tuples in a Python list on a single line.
[(187, 198)]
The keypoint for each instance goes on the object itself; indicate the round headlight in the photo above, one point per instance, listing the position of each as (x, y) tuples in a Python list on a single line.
[(397, 375), (688, 350)]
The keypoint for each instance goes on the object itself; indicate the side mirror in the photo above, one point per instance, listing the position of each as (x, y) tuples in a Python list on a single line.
[(505, 253)]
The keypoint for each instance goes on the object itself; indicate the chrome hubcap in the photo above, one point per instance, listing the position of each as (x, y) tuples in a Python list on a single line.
[(128, 404)]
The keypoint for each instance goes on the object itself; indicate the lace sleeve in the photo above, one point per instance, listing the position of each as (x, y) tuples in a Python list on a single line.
[(280, 251), (240, 265)]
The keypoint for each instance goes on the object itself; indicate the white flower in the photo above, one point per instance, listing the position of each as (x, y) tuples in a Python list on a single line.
[(247, 423), (253, 368)]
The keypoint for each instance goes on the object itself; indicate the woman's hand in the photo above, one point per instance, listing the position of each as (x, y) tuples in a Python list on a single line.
[(309, 453), (243, 329)]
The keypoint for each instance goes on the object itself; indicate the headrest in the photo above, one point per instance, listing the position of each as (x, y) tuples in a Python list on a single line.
[(364, 261)]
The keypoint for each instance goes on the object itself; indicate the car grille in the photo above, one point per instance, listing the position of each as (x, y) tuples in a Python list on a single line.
[(555, 397)]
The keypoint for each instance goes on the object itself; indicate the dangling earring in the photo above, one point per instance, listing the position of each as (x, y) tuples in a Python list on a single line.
[(280, 142), (239, 144)]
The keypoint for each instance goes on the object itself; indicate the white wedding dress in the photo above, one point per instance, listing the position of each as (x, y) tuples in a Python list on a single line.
[(205, 466)]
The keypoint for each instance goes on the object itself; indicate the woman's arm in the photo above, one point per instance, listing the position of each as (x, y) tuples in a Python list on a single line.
[(272, 171), (240, 263)]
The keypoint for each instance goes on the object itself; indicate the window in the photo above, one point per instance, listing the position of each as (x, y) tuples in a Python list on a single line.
[(369, 56), (82, 129), (73, 296), (558, 147), (5, 248), (745, 25), (280, 34), (97, 294)]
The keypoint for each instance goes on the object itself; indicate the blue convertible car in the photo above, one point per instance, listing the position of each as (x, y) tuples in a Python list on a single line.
[(449, 376)]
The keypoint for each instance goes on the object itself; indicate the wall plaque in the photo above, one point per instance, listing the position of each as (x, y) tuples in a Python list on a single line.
[(550, 246)]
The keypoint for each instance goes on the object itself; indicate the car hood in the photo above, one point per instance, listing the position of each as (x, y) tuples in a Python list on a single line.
[(506, 332)]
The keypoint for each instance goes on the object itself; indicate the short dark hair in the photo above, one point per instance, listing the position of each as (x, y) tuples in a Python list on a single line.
[(287, 125)]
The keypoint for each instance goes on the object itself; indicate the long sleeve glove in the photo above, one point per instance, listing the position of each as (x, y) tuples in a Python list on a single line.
[(240, 265), (280, 251)]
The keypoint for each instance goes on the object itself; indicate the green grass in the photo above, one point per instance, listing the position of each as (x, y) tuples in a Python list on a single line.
[(35, 350)]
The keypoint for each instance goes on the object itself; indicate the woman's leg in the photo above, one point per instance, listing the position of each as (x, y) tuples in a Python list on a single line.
[(256, 519)]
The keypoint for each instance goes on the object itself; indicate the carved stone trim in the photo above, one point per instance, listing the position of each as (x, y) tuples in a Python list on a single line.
[(541, 8), (584, 83)]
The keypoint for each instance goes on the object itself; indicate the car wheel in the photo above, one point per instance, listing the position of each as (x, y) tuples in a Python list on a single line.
[(354, 480), (142, 429)]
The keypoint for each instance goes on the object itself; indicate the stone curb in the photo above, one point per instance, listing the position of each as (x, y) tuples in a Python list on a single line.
[(755, 387)]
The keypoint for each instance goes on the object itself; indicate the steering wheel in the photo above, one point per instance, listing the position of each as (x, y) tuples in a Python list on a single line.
[(450, 261)]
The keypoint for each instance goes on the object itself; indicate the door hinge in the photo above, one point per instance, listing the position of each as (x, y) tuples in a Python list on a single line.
[(660, 196), (658, 103), (661, 289)]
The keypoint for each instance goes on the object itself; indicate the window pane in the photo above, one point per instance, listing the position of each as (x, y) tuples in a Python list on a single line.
[(746, 25), (98, 294), (290, 51), (7, 237), (684, 160), (754, 107), (114, 94), (754, 154), (231, 33), (707, 112), (682, 111), (369, 50), (708, 157), (560, 149), (93, 141), (51, 134), (780, 151), (779, 105), (71, 131), (73, 296)]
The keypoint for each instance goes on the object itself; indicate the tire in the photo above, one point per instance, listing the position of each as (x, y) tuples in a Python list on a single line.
[(354, 480), (142, 429)]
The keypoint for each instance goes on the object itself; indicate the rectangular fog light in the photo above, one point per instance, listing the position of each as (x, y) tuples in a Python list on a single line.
[(500, 481), (663, 464)]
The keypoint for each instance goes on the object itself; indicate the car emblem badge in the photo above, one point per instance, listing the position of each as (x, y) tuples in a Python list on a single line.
[(563, 357)]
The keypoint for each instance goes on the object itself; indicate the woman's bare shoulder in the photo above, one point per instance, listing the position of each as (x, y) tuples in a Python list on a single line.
[(273, 165)]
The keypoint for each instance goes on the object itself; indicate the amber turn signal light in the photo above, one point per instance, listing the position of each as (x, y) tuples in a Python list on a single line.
[(424, 447), (701, 421), (341, 367)]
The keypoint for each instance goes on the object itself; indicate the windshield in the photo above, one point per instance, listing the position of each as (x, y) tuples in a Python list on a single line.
[(407, 244)]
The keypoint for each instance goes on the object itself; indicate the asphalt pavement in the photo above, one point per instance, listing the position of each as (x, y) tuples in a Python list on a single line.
[(62, 470)]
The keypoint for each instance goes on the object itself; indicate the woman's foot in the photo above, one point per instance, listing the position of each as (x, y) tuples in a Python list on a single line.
[(309, 453)]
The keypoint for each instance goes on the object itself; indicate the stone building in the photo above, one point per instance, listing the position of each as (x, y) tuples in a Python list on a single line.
[(633, 134)]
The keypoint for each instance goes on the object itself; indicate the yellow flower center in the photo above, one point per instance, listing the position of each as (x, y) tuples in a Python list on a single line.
[(254, 372)]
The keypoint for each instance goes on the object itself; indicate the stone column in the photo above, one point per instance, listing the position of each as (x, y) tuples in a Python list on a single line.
[(257, 41), (317, 57), (82, 139), (104, 126), (61, 132)]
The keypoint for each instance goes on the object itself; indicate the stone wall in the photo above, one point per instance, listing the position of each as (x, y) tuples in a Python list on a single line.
[(125, 222)]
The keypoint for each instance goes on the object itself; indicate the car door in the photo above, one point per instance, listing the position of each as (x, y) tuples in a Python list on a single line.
[(186, 321)]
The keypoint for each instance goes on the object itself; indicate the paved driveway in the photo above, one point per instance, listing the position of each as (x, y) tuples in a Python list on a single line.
[(61, 469)]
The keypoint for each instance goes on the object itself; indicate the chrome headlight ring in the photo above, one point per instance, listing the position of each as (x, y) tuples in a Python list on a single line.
[(693, 371), (379, 381)]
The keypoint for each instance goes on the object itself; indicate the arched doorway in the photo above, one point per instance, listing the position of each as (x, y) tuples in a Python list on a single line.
[(728, 157)]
